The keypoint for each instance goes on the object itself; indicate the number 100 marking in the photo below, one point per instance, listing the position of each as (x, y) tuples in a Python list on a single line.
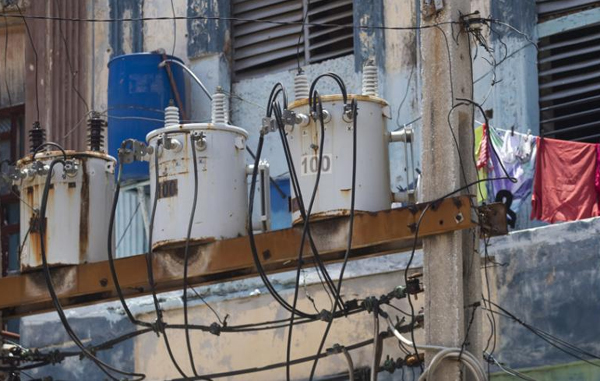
[(310, 164)]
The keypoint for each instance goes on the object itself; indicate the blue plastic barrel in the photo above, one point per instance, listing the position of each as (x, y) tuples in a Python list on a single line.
[(138, 92)]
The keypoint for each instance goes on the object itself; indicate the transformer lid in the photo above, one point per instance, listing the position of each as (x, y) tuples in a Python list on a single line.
[(190, 127)]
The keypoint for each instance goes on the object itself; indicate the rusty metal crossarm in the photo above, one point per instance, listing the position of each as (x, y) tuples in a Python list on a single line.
[(375, 234)]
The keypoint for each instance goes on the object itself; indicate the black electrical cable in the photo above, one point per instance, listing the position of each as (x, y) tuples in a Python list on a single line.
[(338, 80), (487, 122), (305, 228), (149, 258), (350, 229), (57, 305), (187, 252), (257, 263), (111, 260), (280, 89), (564, 346), (240, 372), (300, 200), (227, 19), (277, 89), (49, 144)]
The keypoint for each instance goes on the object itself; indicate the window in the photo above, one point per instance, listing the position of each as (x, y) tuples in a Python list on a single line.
[(12, 141), (569, 82), (261, 47)]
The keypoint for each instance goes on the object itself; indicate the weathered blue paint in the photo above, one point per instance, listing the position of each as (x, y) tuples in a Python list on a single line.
[(514, 96), (549, 281), (569, 22), (97, 329), (130, 9), (207, 36), (368, 43)]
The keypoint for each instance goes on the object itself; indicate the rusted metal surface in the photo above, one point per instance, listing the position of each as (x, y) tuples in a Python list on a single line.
[(492, 219), (77, 215), (374, 234)]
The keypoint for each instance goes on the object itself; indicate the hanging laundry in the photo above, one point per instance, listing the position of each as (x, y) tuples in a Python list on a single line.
[(481, 155), (597, 183), (564, 188), (517, 153)]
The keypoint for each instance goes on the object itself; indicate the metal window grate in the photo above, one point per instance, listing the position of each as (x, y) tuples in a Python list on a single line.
[(548, 9), (569, 83), (260, 47)]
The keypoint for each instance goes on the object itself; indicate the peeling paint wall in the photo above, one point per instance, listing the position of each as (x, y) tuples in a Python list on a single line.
[(13, 74)]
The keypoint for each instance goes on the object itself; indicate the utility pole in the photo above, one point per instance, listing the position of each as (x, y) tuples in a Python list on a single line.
[(452, 275)]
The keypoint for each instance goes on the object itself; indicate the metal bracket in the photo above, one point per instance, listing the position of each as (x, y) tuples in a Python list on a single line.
[(492, 219), (268, 125)]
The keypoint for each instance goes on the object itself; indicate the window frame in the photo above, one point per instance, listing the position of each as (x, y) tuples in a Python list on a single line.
[(17, 147)]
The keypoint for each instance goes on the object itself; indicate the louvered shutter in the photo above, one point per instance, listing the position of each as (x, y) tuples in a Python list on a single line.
[(553, 8), (569, 83), (260, 48), (325, 42)]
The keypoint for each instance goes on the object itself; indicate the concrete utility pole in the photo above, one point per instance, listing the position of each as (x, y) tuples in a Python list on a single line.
[(452, 274)]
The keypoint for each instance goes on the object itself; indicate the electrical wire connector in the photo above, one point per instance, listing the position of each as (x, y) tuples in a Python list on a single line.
[(399, 292), (348, 113), (199, 139), (336, 349), (215, 328), (325, 315), (159, 326), (371, 304), (70, 168), (413, 285), (40, 168), (473, 22), (289, 117)]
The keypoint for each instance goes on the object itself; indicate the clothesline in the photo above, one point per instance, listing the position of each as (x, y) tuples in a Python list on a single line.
[(567, 174)]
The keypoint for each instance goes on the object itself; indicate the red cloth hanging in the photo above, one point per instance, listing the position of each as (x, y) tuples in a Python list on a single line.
[(484, 151), (598, 170), (564, 188)]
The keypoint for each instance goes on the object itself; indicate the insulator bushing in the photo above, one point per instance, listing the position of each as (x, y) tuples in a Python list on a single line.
[(370, 82), (220, 107), (301, 87), (37, 136), (95, 136), (171, 115)]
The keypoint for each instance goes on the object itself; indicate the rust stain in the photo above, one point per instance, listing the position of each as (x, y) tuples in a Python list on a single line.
[(84, 214)]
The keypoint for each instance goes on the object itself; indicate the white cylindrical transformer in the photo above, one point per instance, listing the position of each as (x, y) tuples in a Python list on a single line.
[(222, 200), (372, 173), (77, 212)]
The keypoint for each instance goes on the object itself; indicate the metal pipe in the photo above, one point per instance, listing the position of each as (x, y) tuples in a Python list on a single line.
[(190, 72)]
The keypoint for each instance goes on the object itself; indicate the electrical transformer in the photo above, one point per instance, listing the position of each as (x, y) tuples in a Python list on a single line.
[(373, 192), (222, 198), (77, 212)]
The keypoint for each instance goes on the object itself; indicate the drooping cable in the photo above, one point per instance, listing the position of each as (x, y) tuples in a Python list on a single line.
[(350, 229), (106, 368), (253, 248), (301, 206), (160, 326), (187, 252), (319, 111), (111, 260)]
